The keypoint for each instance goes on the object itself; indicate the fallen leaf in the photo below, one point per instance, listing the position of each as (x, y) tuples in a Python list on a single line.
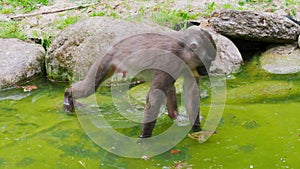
[(145, 157), (82, 164), (175, 151), (181, 165), (29, 88), (201, 135)]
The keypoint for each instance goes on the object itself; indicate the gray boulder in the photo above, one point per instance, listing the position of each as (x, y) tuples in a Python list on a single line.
[(257, 26), (20, 61), (228, 59), (76, 48), (284, 59)]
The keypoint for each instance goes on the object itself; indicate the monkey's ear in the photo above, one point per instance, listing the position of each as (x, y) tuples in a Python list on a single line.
[(193, 45), (209, 37)]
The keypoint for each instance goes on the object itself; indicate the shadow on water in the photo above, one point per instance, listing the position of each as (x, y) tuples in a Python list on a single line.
[(259, 128)]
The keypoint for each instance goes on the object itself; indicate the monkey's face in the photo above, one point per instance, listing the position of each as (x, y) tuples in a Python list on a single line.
[(202, 45)]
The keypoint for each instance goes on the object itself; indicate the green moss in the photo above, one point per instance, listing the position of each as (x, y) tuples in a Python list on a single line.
[(60, 76), (44, 37), (248, 134), (25, 162), (2, 162)]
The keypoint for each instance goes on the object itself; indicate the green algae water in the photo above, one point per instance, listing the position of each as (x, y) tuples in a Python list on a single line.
[(260, 128)]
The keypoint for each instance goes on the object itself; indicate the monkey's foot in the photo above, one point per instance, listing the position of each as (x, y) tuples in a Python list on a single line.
[(145, 135), (147, 129), (182, 120), (196, 128)]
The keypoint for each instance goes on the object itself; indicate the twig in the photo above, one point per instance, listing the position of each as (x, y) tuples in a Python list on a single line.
[(20, 17), (116, 6)]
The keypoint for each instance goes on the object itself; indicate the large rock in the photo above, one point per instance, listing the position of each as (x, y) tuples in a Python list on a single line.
[(74, 50), (257, 26), (228, 59), (283, 59), (20, 61)]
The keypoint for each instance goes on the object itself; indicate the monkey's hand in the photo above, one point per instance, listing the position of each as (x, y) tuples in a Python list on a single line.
[(69, 101)]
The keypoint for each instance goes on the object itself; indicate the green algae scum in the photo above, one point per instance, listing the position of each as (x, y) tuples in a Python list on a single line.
[(259, 128)]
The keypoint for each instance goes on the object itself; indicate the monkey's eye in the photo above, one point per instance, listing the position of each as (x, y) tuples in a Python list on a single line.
[(193, 46)]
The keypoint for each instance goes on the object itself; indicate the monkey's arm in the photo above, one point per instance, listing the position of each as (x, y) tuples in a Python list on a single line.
[(192, 101), (96, 74)]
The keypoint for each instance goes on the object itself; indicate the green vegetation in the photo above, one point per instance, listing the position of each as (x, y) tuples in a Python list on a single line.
[(292, 4), (170, 18), (44, 37), (243, 2), (11, 29), (228, 6), (11, 6), (6, 10), (114, 15), (101, 13), (209, 8), (63, 23), (270, 5), (160, 13)]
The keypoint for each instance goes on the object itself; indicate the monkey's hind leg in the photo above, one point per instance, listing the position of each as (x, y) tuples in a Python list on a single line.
[(162, 83), (154, 100), (192, 102)]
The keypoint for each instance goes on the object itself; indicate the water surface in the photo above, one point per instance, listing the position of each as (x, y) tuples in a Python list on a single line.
[(260, 128)]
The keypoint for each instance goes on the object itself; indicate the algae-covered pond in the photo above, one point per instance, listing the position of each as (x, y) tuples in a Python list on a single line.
[(260, 128)]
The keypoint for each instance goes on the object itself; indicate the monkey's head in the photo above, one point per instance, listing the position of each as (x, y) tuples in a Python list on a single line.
[(202, 45)]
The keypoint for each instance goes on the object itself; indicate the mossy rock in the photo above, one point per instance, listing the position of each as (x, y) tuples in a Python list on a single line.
[(262, 91)]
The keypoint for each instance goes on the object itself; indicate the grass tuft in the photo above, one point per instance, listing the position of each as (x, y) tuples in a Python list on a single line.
[(11, 6), (171, 18), (63, 23), (11, 29)]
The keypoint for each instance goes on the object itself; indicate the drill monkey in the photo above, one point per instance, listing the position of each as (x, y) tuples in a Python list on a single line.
[(194, 47)]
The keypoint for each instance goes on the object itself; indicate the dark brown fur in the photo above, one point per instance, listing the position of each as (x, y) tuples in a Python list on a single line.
[(188, 45)]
